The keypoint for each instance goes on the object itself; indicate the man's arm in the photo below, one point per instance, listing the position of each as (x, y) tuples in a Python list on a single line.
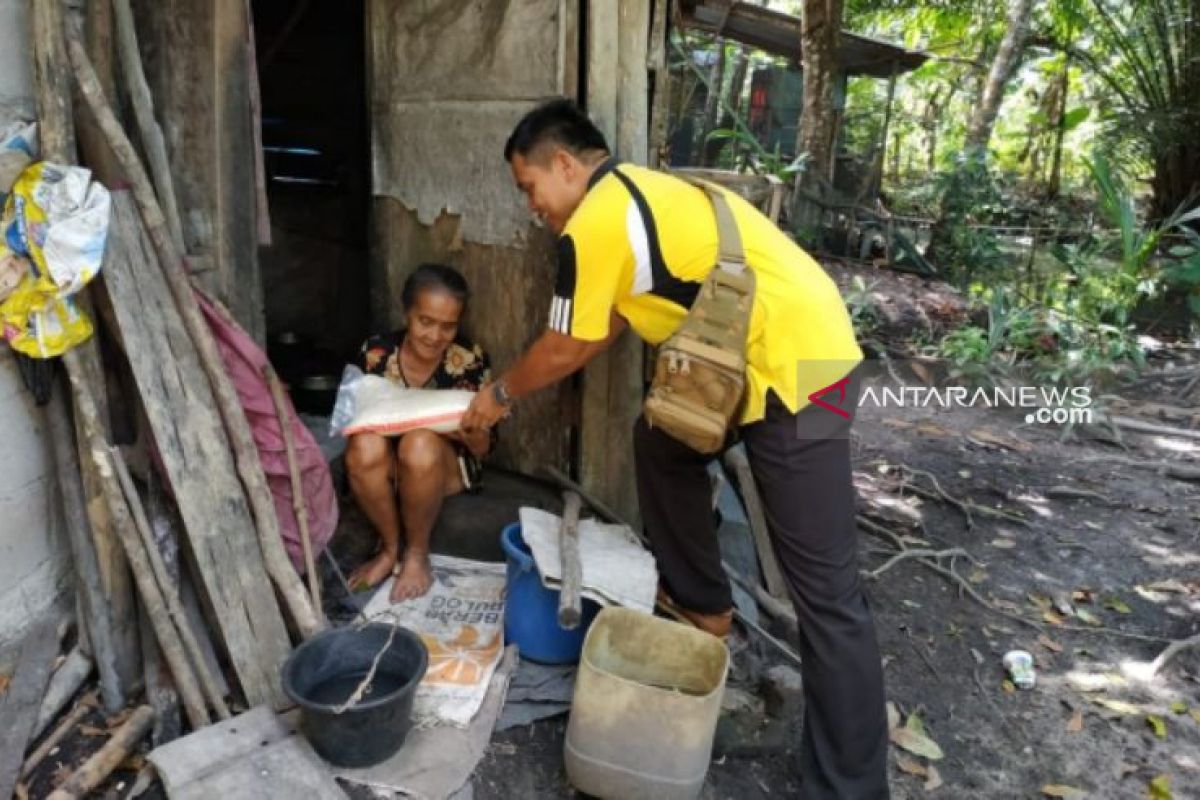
[(551, 358)]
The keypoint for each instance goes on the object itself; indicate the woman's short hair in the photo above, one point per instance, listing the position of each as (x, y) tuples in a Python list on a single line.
[(437, 278)]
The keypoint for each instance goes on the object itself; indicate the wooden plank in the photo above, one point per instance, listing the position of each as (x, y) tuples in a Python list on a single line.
[(254, 756), (236, 227), (19, 705), (193, 448)]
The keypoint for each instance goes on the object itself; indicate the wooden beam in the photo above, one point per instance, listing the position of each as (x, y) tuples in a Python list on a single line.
[(182, 410), (612, 383), (105, 593)]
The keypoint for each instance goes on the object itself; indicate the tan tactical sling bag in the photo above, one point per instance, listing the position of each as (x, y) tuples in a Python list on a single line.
[(700, 373)]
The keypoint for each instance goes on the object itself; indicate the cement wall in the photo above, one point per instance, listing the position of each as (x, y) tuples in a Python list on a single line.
[(34, 562)]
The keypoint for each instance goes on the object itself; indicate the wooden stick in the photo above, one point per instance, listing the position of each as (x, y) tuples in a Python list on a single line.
[(298, 505), (570, 605), (168, 590), (171, 261), (603, 510), (83, 549), (1172, 650), (64, 683), (107, 758), (56, 134), (143, 112), (1139, 426), (156, 609), (68, 723), (736, 460)]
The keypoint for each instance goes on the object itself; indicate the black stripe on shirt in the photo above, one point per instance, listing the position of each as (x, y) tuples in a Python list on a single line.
[(664, 284)]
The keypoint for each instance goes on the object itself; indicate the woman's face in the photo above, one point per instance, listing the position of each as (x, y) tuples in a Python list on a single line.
[(433, 322)]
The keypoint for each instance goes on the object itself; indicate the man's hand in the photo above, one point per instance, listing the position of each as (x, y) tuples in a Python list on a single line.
[(483, 413)]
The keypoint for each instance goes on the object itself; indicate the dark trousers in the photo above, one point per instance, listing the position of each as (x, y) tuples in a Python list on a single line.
[(808, 498)]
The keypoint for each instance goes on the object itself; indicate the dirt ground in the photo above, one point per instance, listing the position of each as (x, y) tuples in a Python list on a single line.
[(1098, 577), (1064, 548)]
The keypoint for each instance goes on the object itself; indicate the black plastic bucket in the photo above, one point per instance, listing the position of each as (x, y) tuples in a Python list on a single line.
[(324, 671)]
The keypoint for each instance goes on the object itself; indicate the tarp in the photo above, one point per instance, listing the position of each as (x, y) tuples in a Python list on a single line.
[(244, 361)]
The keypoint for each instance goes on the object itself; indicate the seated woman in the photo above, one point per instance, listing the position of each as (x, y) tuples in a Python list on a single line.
[(420, 468)]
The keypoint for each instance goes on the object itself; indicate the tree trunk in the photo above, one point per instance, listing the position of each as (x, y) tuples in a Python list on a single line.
[(980, 129), (819, 30), (1064, 88)]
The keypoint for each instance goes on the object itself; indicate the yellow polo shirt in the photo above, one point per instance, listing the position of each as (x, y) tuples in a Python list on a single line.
[(641, 243)]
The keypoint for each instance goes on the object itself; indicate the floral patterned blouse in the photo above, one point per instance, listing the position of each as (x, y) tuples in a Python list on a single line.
[(465, 366)]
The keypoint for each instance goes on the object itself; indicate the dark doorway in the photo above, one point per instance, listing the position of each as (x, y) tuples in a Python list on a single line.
[(312, 70)]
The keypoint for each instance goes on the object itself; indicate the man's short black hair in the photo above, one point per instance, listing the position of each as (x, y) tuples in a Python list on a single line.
[(559, 122)]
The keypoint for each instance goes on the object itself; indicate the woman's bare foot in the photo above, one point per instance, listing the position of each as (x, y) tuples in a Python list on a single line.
[(414, 579), (372, 573)]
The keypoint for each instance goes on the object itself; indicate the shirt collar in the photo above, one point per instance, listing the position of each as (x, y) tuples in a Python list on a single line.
[(606, 166)]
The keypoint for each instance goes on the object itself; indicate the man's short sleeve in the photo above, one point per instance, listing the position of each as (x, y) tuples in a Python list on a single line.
[(591, 261)]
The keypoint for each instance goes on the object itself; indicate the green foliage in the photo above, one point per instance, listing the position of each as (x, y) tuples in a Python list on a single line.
[(969, 194), (1040, 344), (862, 310)]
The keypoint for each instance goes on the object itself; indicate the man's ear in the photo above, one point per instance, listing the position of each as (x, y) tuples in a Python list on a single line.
[(567, 164)]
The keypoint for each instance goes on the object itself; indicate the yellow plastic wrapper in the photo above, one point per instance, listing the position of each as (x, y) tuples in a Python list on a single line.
[(56, 221)]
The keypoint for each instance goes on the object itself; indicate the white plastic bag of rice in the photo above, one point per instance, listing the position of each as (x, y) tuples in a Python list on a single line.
[(385, 407)]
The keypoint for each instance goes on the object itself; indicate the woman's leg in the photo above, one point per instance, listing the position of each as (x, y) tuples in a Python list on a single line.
[(369, 463), (427, 472)]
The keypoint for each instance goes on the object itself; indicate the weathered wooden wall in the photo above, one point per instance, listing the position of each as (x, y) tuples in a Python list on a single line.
[(447, 80), (196, 58)]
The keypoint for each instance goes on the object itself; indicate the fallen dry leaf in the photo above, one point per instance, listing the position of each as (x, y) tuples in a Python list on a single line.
[(1008, 686), (893, 716), (1195, 712), (1040, 601), (1048, 643), (4, 681), (1088, 617), (1083, 595), (1179, 707), (1061, 790), (934, 780), (910, 766), (916, 743), (977, 576), (1170, 585), (1075, 723), (1004, 544), (1119, 706), (1118, 605), (1158, 725), (1053, 617)]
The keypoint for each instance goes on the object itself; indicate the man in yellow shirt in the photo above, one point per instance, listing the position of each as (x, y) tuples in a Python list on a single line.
[(633, 249)]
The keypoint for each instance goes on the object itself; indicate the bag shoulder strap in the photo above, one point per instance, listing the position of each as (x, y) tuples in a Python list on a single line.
[(730, 256)]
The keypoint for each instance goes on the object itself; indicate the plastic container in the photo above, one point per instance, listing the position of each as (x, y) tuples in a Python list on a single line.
[(531, 610), (647, 698), (324, 672)]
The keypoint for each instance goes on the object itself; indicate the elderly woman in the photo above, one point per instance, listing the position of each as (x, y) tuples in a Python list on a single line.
[(400, 482)]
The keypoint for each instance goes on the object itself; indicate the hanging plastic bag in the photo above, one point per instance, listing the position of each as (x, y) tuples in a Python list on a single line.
[(42, 327), (55, 221), (58, 218)]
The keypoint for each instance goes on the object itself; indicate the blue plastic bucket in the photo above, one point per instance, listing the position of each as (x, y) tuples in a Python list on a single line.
[(531, 610)]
